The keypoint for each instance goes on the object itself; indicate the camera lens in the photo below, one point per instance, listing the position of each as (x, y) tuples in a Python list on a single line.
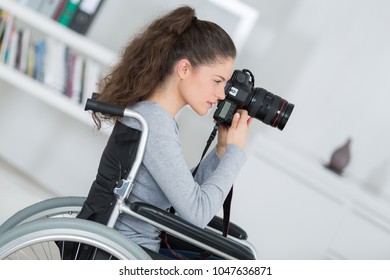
[(269, 108)]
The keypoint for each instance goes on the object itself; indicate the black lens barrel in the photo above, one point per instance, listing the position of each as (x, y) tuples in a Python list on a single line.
[(269, 108)]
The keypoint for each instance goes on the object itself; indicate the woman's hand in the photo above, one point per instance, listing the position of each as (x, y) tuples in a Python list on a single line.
[(235, 134)]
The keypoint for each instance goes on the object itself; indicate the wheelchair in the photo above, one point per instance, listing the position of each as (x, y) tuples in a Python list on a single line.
[(45, 229)]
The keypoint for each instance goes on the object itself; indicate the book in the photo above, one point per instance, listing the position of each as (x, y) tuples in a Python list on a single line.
[(75, 64), (32, 4), (24, 47), (68, 71), (54, 64), (77, 79), (39, 60), (84, 15), (7, 36), (68, 12), (30, 67), (91, 78), (19, 49), (49, 7), (3, 22), (59, 9), (12, 52)]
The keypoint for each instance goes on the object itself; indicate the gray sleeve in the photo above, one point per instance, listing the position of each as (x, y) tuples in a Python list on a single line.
[(196, 202), (207, 166)]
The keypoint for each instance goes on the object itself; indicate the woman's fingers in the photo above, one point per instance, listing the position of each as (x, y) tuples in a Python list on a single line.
[(236, 118)]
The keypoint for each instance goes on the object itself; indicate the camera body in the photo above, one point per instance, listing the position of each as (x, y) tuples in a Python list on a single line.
[(260, 103), (238, 91)]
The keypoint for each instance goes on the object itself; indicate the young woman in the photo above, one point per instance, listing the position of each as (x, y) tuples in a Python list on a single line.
[(177, 60)]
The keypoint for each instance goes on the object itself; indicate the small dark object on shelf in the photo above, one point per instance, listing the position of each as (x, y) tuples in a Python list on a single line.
[(340, 158)]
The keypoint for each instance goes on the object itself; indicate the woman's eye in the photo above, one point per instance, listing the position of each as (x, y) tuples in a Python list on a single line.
[(218, 81)]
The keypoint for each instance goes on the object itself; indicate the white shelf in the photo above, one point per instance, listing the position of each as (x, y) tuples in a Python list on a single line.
[(313, 174), (44, 93), (74, 40)]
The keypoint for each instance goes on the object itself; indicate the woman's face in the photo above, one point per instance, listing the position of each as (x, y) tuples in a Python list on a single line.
[(205, 85)]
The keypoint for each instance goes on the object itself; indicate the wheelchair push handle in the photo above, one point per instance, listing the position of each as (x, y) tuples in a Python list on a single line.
[(104, 108)]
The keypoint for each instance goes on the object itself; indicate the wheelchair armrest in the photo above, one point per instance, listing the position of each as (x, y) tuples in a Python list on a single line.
[(207, 239), (234, 230)]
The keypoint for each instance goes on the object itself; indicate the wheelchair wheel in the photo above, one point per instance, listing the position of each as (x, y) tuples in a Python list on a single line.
[(38, 240), (68, 206)]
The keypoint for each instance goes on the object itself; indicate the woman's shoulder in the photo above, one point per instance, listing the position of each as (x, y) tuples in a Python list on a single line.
[(159, 121)]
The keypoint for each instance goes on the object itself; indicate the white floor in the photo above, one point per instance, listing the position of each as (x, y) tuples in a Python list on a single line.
[(17, 191)]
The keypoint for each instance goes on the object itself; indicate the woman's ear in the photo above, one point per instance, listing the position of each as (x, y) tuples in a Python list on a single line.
[(183, 68)]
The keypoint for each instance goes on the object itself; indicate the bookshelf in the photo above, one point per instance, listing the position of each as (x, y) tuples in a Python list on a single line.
[(75, 41), (43, 93)]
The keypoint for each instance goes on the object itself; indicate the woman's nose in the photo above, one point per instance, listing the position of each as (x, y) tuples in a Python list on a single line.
[(221, 93)]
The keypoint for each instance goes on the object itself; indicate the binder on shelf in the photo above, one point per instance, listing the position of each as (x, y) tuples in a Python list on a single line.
[(68, 12), (84, 15)]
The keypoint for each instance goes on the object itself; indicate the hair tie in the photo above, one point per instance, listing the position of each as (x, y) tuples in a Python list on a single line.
[(194, 18)]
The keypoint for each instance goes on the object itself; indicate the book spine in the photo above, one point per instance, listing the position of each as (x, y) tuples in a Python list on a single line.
[(12, 52), (3, 17), (92, 74), (7, 36), (40, 51), (31, 60), (77, 78), (59, 9), (25, 44), (3, 24), (54, 65), (49, 7), (33, 4)]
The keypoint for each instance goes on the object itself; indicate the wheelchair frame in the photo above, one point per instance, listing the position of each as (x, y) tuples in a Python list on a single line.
[(208, 239)]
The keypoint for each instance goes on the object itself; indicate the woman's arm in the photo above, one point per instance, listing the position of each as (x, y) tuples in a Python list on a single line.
[(197, 202)]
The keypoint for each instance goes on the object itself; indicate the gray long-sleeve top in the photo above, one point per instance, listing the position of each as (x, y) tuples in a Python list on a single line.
[(165, 180)]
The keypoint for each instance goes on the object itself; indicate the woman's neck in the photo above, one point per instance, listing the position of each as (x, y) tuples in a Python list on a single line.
[(169, 98)]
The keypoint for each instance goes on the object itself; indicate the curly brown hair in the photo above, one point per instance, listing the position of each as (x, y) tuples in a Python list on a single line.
[(150, 56)]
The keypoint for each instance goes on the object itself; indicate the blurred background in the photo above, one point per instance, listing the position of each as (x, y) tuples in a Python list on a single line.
[(329, 58)]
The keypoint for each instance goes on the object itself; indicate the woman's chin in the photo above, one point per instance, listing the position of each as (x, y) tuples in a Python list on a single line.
[(201, 111)]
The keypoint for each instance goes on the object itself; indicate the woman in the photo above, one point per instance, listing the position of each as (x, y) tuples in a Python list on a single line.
[(177, 60)]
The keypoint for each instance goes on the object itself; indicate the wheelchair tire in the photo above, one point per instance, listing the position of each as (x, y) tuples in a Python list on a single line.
[(68, 206), (37, 240)]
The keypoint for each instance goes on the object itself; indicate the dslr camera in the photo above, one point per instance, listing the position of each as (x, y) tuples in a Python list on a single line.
[(260, 103)]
